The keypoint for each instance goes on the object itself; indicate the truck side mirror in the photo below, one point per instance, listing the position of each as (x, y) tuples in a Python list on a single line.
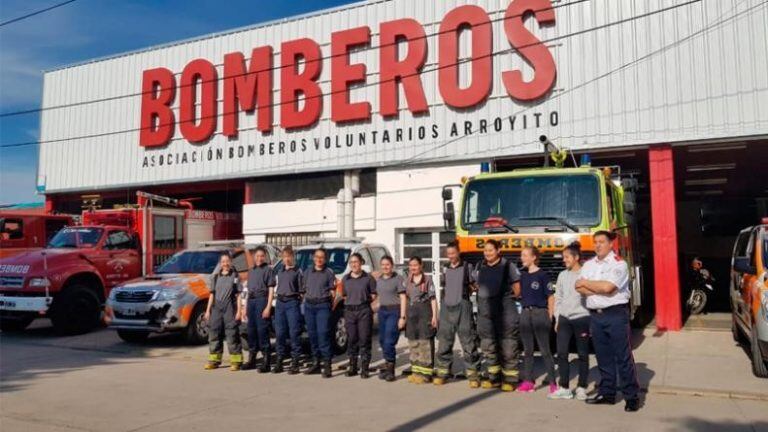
[(447, 194), (449, 217), (742, 265)]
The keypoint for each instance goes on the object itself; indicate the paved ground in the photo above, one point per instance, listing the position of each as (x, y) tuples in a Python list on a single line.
[(96, 382)]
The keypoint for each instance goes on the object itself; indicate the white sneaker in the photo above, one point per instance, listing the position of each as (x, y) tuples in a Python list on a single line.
[(561, 393), (581, 393)]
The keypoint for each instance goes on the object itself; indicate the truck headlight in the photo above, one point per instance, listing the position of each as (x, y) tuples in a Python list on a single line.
[(112, 295), (39, 282), (169, 293)]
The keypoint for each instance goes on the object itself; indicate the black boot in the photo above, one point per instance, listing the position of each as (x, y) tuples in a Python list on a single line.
[(365, 370), (278, 365), (389, 373), (251, 363), (327, 368), (352, 368), (314, 368), (264, 368), (295, 368)]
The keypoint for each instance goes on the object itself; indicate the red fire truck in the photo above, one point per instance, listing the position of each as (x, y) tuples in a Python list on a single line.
[(70, 279), (23, 231)]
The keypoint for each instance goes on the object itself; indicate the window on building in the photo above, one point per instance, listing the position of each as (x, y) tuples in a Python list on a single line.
[(429, 245), (306, 186), (282, 240)]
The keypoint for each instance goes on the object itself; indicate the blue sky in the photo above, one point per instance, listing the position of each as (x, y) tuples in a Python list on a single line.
[(93, 28)]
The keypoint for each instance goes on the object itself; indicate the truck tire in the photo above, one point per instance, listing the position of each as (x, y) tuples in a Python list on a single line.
[(197, 329), (759, 366), (76, 310), (15, 324), (133, 336)]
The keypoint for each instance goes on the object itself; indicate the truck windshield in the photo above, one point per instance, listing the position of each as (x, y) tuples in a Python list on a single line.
[(202, 262), (336, 259), (532, 201), (76, 237)]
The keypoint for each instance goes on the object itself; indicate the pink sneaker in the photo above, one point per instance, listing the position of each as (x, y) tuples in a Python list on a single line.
[(552, 388), (526, 387)]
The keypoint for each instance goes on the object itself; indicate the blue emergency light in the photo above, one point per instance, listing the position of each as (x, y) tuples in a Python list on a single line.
[(586, 161), (485, 167)]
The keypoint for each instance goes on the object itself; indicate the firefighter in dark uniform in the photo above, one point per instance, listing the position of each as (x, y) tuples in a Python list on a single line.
[(421, 321), (498, 321), (223, 315), (605, 283), (290, 289), (456, 316), (261, 291), (358, 290), (320, 283), (393, 303)]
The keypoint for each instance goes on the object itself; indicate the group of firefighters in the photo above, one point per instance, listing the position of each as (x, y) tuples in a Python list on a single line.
[(588, 300)]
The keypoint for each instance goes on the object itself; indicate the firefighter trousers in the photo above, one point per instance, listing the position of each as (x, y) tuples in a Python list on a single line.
[(223, 324), (455, 320), (420, 336), (498, 324), (359, 323)]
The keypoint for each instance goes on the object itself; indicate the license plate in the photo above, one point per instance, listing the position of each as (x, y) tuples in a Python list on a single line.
[(130, 312), (6, 303)]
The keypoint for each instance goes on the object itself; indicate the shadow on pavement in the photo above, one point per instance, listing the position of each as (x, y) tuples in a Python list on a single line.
[(424, 421), (701, 425)]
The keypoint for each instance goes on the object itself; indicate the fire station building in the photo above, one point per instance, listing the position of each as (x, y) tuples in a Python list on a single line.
[(350, 121)]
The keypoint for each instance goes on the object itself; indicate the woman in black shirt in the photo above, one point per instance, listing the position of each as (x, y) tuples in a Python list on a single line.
[(536, 318), (358, 291)]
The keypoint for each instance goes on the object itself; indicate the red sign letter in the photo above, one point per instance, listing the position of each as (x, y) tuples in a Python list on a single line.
[(247, 90), (472, 18), (531, 50), (343, 74), (158, 88), (293, 83), (394, 71), (202, 71)]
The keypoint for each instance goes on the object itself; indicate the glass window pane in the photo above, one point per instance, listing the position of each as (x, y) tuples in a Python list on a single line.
[(423, 251), (447, 237), (422, 238)]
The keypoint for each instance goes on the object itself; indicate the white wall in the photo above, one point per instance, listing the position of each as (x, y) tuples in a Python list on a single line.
[(405, 198)]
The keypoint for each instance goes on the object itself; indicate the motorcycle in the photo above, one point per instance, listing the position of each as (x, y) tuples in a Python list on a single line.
[(701, 284)]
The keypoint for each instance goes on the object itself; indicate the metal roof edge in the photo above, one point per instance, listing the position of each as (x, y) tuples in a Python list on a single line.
[(312, 14)]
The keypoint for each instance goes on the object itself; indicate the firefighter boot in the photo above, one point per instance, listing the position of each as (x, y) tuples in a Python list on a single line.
[(251, 363), (389, 372), (438, 380), (264, 368), (314, 368), (365, 369), (295, 368), (236, 366), (212, 365), (352, 368), (327, 368), (278, 365), (492, 381)]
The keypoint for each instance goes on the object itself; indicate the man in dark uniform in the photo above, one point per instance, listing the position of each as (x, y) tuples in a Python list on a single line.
[(261, 285), (456, 317), (320, 282), (290, 289), (605, 283)]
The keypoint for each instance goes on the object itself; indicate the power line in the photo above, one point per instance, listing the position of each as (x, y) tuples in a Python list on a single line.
[(580, 32), (320, 59), (29, 15)]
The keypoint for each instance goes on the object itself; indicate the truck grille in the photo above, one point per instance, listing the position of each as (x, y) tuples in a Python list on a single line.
[(552, 263), (11, 281), (134, 296)]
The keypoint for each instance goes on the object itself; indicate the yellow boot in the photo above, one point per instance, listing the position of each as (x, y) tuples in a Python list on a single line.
[(490, 384), (234, 367), (507, 387), (438, 381), (419, 379), (474, 383), (211, 365)]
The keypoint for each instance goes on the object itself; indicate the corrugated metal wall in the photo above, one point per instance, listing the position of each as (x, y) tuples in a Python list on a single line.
[(664, 78)]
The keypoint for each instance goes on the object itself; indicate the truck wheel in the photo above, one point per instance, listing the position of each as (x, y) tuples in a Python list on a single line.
[(133, 336), (197, 329), (339, 333), (735, 331), (77, 310), (759, 366), (15, 324)]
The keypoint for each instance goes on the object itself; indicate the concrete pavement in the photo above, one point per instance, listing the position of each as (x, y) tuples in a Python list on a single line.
[(96, 382)]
